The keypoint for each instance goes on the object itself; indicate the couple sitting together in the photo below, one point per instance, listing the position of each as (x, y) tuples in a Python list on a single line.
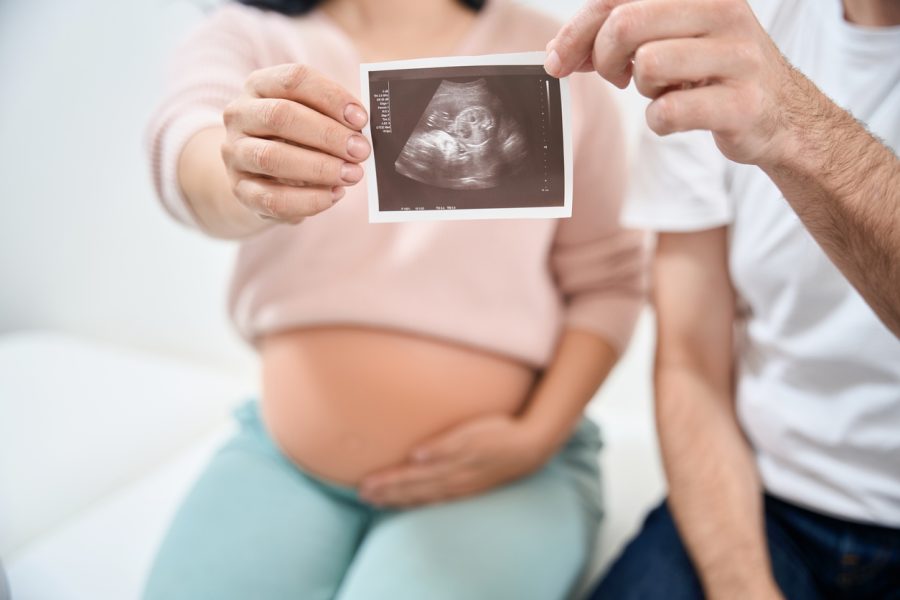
[(420, 432)]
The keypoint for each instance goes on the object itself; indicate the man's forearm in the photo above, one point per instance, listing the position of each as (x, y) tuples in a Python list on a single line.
[(844, 184), (714, 490)]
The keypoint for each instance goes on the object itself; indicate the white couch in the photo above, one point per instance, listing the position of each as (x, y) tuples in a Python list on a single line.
[(98, 443), (117, 365)]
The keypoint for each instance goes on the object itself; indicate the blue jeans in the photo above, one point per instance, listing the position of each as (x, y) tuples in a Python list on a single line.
[(813, 557), (256, 526)]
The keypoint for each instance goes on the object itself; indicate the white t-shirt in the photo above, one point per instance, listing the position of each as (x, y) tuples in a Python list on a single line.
[(819, 375)]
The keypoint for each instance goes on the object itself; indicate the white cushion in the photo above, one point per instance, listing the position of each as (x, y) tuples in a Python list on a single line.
[(105, 553), (79, 419)]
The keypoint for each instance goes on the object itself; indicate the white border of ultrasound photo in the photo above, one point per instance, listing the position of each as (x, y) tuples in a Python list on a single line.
[(539, 212)]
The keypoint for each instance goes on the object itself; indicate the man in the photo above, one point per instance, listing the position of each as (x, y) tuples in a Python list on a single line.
[(777, 289)]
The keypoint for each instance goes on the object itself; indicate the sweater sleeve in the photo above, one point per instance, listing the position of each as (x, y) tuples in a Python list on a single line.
[(205, 73), (600, 267)]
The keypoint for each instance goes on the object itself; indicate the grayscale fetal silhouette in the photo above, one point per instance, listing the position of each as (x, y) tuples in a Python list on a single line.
[(463, 140)]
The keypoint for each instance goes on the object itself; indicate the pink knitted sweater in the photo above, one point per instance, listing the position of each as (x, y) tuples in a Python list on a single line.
[(504, 286)]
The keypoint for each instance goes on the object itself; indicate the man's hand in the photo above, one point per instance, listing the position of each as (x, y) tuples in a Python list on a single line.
[(706, 64), (470, 458)]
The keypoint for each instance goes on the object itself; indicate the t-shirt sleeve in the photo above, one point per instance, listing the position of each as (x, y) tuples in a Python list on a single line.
[(206, 72), (599, 265), (678, 183)]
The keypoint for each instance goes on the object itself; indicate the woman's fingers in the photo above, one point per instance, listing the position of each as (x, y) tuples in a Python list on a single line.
[(417, 485), (447, 446), (293, 142), (274, 200), (284, 161), (664, 64), (405, 476), (291, 121), (308, 87)]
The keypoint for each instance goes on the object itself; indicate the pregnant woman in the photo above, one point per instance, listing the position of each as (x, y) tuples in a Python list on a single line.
[(420, 430)]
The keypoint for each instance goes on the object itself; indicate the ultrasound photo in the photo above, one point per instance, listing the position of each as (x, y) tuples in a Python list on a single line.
[(483, 137)]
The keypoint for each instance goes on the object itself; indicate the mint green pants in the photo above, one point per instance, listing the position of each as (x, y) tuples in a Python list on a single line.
[(254, 526)]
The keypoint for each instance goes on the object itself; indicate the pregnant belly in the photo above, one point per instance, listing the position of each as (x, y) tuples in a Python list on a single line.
[(343, 402)]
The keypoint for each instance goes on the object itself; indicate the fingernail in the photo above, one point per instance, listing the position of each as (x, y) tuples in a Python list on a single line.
[(552, 64), (337, 192), (355, 115), (357, 146), (351, 173)]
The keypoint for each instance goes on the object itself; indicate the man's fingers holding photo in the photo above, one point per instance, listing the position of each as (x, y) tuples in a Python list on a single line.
[(610, 32), (573, 46), (630, 26), (705, 107), (671, 47), (662, 65)]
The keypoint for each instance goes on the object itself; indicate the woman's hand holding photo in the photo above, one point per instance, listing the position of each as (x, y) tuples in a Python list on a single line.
[(293, 143)]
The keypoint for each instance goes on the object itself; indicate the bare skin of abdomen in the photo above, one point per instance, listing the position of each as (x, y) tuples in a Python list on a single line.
[(345, 402)]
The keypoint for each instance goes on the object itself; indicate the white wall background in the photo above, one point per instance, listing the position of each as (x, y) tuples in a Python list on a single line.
[(84, 248)]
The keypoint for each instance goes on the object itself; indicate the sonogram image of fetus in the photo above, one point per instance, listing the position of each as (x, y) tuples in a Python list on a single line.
[(464, 139)]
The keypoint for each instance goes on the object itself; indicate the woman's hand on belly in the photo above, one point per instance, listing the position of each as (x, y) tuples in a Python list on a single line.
[(470, 458)]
